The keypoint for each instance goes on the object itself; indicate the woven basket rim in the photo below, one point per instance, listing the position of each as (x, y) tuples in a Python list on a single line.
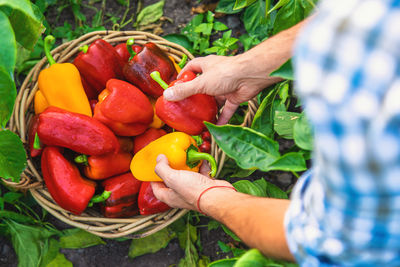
[(137, 226)]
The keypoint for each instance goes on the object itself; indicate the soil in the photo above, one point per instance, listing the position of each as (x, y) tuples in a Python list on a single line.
[(115, 253)]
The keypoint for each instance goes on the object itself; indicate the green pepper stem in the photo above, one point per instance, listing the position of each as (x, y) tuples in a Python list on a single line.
[(36, 142), (155, 75), (81, 159), (48, 43), (129, 44), (193, 156), (84, 48), (182, 63), (99, 198)]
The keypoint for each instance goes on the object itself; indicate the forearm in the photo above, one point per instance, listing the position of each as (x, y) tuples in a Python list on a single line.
[(257, 221)]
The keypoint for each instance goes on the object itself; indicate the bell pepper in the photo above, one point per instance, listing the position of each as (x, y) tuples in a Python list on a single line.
[(122, 202), (157, 122), (90, 92), (105, 166), (61, 84), (116, 109), (147, 137), (125, 144), (181, 64), (181, 151), (188, 114), (123, 50), (148, 203), (35, 146), (80, 133), (39, 103), (98, 63), (151, 58), (64, 182)]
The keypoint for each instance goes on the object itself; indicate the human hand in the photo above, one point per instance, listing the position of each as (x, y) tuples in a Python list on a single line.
[(231, 79), (181, 189)]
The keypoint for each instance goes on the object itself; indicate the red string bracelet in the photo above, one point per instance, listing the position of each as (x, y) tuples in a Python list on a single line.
[(205, 190)]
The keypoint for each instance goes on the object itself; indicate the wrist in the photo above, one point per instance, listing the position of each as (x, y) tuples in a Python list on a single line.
[(209, 200)]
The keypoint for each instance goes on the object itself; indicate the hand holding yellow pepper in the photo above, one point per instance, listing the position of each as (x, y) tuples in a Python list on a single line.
[(181, 151)]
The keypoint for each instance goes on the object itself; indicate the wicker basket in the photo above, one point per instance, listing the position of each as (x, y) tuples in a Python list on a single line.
[(91, 220)]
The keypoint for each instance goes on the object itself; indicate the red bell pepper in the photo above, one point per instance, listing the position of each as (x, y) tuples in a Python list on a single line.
[(151, 58), (64, 182), (35, 146), (124, 108), (145, 138), (98, 63), (78, 132), (148, 203), (90, 92), (188, 114), (122, 50), (124, 190)]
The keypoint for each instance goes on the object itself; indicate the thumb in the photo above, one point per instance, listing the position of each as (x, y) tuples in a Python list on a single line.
[(164, 171), (183, 90)]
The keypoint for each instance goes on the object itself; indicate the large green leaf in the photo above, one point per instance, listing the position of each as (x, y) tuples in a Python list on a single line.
[(8, 93), (250, 149), (8, 51), (293, 161), (252, 258), (30, 242), (226, 6), (254, 19), (150, 14), (60, 261), (243, 3), (12, 156), (179, 39), (302, 133), (51, 250), (151, 244), (284, 122), (77, 238), (263, 121), (25, 19), (223, 263), (247, 187), (274, 191), (285, 71)]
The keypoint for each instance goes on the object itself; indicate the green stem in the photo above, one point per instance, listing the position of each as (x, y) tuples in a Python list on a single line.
[(48, 43), (81, 159), (155, 75), (99, 198), (36, 142), (84, 48), (193, 156), (129, 44), (182, 63)]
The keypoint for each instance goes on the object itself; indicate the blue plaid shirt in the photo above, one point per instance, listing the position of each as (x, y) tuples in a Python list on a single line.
[(346, 210)]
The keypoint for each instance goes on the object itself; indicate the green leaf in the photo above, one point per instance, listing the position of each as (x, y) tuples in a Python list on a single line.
[(223, 263), (278, 5), (7, 214), (274, 191), (247, 187), (75, 238), (284, 122), (243, 3), (187, 240), (12, 197), (60, 261), (263, 121), (302, 133), (179, 39), (219, 26), (250, 149), (25, 19), (51, 250), (224, 247), (150, 14), (210, 17), (253, 258), (213, 224), (248, 41), (292, 161), (204, 28), (30, 242), (226, 6), (8, 51), (8, 93), (285, 71), (230, 233), (12, 156), (254, 20), (151, 244), (242, 173)]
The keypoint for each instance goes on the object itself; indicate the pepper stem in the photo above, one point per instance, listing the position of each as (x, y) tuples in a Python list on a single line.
[(81, 159), (36, 142), (193, 156), (84, 48), (99, 198), (155, 75), (129, 44), (48, 43), (182, 63)]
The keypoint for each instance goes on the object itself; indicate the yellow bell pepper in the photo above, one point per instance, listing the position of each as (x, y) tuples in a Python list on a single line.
[(61, 84), (40, 102), (181, 151), (157, 122)]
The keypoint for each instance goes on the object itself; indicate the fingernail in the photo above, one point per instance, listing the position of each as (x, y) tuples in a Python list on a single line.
[(159, 157), (168, 94)]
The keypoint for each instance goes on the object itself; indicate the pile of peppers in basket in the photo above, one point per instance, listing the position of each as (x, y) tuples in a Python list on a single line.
[(101, 121)]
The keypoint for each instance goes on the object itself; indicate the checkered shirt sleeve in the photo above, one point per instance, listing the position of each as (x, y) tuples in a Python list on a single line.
[(346, 210)]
